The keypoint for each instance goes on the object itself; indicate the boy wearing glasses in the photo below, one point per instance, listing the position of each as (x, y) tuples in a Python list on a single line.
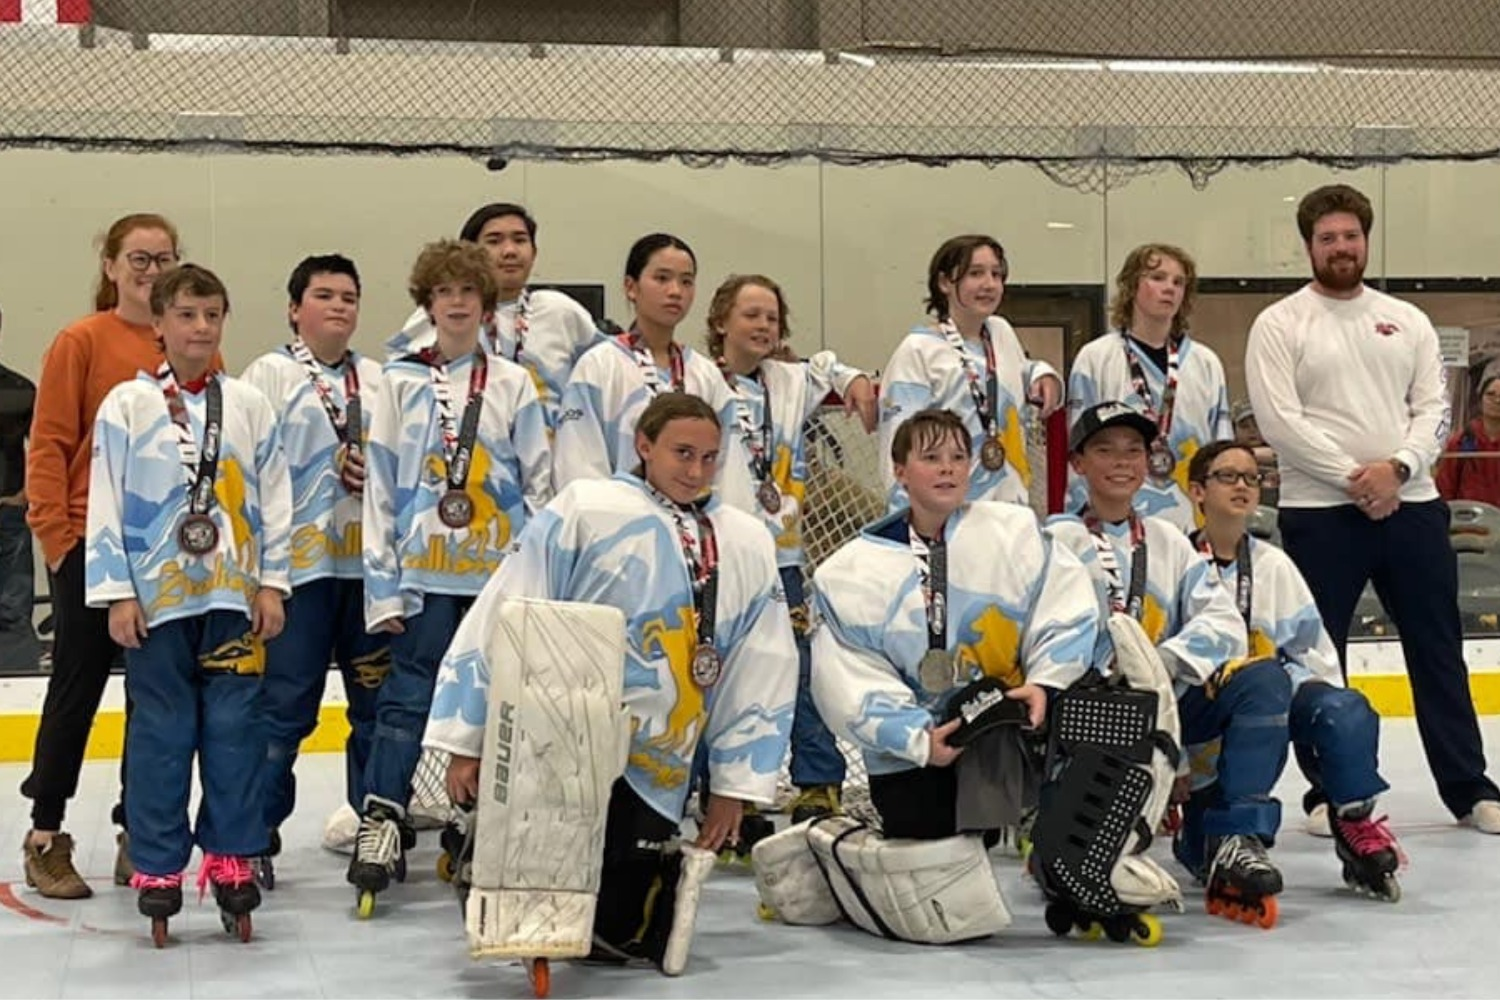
[(1333, 729)]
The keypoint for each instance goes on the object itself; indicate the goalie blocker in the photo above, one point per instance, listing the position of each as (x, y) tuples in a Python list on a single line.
[(1111, 761), (567, 861)]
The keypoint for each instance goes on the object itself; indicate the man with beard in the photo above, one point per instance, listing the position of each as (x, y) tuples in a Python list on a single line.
[(1347, 386)]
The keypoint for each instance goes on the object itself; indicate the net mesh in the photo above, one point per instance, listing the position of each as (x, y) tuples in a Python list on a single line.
[(844, 493), (1088, 92)]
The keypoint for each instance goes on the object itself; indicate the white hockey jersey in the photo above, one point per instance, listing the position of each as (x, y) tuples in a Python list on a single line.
[(607, 541), (1020, 609), (1284, 619), (604, 399), (795, 391), (138, 497), (926, 371), (1200, 415), (326, 518), (408, 550), (558, 332), (1186, 610)]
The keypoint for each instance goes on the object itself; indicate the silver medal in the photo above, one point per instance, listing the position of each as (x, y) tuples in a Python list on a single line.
[(935, 672), (456, 509), (992, 455), (1161, 461), (769, 497), (198, 534), (706, 666)]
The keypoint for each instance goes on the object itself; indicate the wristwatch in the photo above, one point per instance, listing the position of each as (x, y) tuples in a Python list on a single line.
[(1403, 471)]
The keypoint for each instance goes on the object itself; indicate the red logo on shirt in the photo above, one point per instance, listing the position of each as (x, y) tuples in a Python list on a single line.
[(1386, 329)]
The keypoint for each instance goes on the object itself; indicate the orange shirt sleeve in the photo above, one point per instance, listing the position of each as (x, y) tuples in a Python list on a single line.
[(57, 432)]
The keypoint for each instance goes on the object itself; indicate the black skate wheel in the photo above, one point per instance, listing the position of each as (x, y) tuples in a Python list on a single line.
[(400, 873), (1392, 890), (1059, 919), (159, 931), (1117, 930), (226, 921), (265, 874)]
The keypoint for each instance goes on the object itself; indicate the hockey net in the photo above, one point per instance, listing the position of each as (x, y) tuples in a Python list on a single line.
[(844, 493)]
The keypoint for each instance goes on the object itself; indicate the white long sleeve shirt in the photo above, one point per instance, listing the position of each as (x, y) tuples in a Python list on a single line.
[(1337, 383)]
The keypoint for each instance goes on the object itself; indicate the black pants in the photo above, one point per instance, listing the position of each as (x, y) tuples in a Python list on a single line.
[(1415, 573), (82, 655), (633, 835)]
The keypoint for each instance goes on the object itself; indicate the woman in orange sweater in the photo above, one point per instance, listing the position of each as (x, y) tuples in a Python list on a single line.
[(86, 360)]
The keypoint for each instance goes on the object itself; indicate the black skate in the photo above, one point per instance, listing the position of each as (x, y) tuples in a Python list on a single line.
[(265, 866), (160, 898), (379, 852), (1369, 851), (234, 888), (1242, 882)]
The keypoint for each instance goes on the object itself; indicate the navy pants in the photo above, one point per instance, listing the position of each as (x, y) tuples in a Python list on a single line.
[(1248, 715), (194, 682), (325, 623), (1411, 562), (405, 698)]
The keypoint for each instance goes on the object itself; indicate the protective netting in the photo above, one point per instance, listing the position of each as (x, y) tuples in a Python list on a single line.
[(1078, 87), (844, 493)]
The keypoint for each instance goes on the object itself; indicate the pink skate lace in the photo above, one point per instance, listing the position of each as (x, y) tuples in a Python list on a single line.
[(223, 869), (1370, 836), (140, 880)]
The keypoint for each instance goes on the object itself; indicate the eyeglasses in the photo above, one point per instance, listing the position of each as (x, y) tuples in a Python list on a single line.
[(1228, 477), (140, 260)]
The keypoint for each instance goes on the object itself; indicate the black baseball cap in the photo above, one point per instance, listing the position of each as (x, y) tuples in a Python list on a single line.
[(1112, 413)]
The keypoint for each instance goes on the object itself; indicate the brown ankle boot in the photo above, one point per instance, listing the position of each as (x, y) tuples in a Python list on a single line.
[(123, 868), (50, 871)]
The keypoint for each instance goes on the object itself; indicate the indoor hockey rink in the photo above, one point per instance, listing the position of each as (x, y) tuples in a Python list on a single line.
[(1439, 940)]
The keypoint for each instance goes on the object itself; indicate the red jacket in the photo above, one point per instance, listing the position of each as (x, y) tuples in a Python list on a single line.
[(1465, 478)]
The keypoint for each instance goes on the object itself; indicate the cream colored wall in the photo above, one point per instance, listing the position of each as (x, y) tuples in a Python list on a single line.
[(850, 244)]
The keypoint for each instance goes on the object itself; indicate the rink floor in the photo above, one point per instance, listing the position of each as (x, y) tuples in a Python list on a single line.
[(1436, 942)]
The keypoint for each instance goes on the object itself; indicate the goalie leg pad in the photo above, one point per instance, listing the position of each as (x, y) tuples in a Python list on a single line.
[(555, 740), (923, 891), (1112, 761), (790, 881)]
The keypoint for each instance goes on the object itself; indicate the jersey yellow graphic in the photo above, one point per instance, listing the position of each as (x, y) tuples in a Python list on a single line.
[(793, 500), (663, 755), (997, 650), (1185, 453), (1013, 437), (1153, 619), (488, 533)]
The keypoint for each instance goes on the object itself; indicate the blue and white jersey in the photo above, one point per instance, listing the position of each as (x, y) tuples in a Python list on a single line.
[(408, 550), (558, 330), (608, 542), (605, 398), (1186, 610), (1019, 609), (326, 518), (796, 391), (138, 498), (1200, 414), (926, 371), (1284, 619)]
